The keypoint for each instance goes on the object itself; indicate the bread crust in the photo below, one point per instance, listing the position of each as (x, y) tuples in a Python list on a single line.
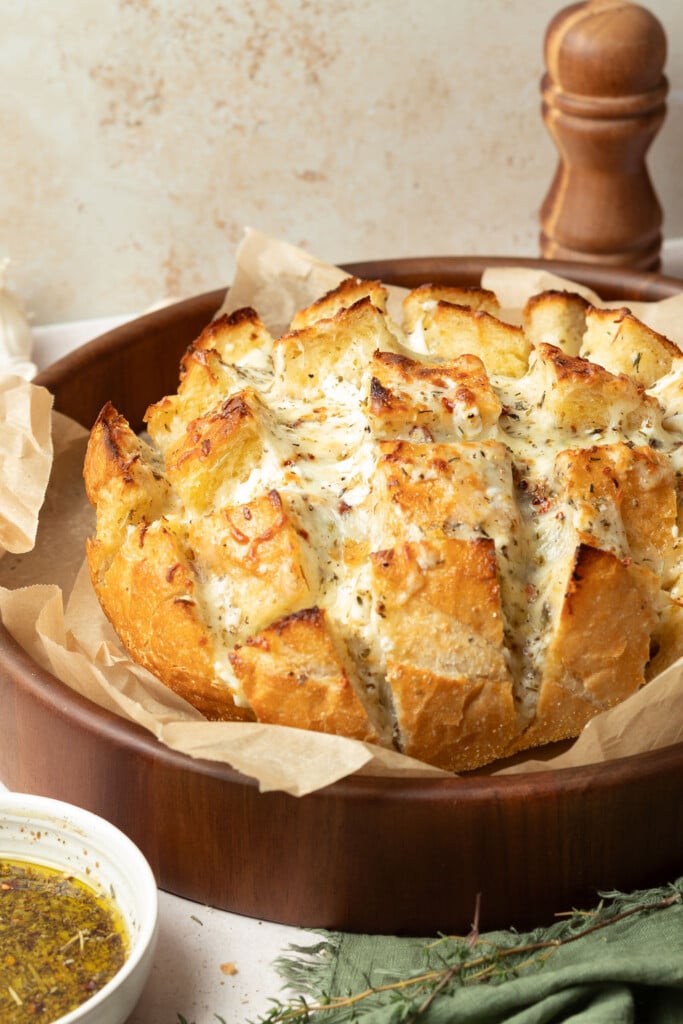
[(347, 294), (418, 301), (439, 402), (293, 673), (621, 343), (584, 397), (341, 347), (440, 621), (443, 490), (557, 318), (462, 541), (149, 591), (598, 647), (450, 330), (257, 553), (639, 484), (215, 449)]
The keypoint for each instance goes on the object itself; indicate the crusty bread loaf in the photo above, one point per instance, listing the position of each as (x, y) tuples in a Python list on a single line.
[(454, 536)]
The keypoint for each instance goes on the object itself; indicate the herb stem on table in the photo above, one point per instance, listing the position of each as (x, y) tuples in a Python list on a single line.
[(498, 962)]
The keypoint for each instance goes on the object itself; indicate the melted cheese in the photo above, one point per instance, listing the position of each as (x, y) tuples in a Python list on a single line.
[(320, 454)]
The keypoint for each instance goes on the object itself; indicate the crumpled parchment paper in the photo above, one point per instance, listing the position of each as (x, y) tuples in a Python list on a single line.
[(49, 606)]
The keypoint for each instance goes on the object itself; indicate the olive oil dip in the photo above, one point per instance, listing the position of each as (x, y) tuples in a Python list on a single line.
[(60, 942)]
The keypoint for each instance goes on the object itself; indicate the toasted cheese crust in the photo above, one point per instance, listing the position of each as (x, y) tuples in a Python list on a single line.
[(432, 402), (453, 536)]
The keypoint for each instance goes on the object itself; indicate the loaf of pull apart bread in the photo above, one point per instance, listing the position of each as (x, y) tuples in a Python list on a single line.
[(454, 536)]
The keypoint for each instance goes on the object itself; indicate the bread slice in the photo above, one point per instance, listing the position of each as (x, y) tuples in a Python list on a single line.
[(332, 353), (594, 622), (219, 450), (438, 616), (124, 480), (443, 490), (149, 589), (232, 353), (580, 398)]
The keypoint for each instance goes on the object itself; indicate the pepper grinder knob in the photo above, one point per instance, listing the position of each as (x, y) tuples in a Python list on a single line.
[(604, 100)]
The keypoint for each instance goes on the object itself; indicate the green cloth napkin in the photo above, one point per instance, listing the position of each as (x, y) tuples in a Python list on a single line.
[(620, 963)]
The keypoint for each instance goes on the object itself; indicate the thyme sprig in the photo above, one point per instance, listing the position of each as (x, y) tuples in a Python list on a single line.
[(463, 961)]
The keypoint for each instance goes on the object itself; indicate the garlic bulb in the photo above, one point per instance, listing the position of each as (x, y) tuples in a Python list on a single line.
[(16, 340)]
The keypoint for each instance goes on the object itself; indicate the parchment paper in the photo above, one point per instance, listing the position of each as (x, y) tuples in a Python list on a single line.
[(49, 606)]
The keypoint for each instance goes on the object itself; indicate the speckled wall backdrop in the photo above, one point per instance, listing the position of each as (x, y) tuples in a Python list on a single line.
[(139, 137)]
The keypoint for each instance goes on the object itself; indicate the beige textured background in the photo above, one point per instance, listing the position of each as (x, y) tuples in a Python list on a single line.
[(139, 137)]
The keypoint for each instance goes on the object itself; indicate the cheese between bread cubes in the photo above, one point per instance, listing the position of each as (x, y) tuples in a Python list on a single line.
[(453, 536)]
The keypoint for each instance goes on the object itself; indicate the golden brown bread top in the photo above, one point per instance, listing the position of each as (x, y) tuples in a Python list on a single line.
[(418, 303), (339, 347), (434, 402), (440, 622), (293, 671), (261, 555), (622, 344), (446, 330), (347, 294), (442, 490), (455, 536), (618, 493)]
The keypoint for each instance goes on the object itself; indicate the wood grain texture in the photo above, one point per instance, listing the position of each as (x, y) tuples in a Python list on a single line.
[(366, 854), (604, 96)]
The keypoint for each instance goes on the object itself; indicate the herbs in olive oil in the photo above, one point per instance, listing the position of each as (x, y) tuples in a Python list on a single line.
[(60, 942)]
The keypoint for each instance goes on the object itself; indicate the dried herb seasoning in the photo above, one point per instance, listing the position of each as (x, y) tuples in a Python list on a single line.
[(60, 942)]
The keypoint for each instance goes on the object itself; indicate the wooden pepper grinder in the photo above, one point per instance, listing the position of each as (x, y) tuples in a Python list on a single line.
[(604, 100)]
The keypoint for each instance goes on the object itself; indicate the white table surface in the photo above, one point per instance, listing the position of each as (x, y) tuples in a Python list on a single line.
[(195, 940)]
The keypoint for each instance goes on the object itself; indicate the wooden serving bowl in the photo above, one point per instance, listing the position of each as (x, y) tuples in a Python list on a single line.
[(366, 854)]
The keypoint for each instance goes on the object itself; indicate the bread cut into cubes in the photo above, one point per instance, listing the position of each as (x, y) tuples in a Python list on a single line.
[(622, 344), (556, 318), (438, 401), (419, 302), (332, 353), (592, 644), (350, 291), (443, 490), (446, 330), (452, 536), (293, 670)]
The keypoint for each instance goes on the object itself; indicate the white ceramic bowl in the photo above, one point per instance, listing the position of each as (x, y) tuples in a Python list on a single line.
[(59, 835)]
